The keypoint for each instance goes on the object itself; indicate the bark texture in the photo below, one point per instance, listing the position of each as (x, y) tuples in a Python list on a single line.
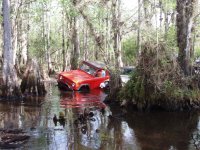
[(10, 81), (185, 19), (116, 25), (75, 41), (32, 79)]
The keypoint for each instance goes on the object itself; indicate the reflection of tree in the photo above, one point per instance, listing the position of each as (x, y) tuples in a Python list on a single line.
[(18, 116), (21, 116), (196, 139), (84, 133), (156, 130), (46, 112), (114, 127), (74, 104)]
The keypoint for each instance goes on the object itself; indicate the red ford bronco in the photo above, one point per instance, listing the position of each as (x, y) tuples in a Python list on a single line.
[(90, 75)]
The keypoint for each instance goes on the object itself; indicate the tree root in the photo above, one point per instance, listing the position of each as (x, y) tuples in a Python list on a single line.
[(32, 79)]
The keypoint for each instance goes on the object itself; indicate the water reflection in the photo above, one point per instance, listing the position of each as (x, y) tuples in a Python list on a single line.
[(18, 115), (76, 99), (85, 115), (60, 120), (164, 130), (90, 124)]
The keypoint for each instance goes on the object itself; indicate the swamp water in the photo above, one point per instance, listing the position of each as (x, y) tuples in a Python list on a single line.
[(132, 131)]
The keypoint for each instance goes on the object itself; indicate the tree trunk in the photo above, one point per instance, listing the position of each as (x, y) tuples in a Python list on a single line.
[(50, 69), (166, 21), (115, 79), (10, 80), (46, 36), (117, 32), (85, 41), (185, 16), (23, 37), (146, 5), (14, 38), (28, 32), (75, 43), (139, 28), (98, 38), (15, 7), (32, 79), (115, 84), (63, 42), (107, 34), (161, 17)]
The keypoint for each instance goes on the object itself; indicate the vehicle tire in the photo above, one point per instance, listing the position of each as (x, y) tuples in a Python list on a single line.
[(84, 88)]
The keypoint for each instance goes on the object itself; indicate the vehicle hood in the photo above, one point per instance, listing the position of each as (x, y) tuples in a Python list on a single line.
[(76, 75)]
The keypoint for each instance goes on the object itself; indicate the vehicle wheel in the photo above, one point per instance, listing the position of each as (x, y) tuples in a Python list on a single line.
[(84, 88)]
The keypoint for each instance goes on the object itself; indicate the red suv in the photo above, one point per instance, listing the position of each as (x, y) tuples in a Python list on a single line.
[(90, 75)]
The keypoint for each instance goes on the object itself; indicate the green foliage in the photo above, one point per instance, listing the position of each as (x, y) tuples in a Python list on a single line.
[(1, 15), (171, 38), (1, 19), (197, 52), (129, 48), (132, 88), (37, 46), (168, 85), (68, 7), (159, 80), (169, 5)]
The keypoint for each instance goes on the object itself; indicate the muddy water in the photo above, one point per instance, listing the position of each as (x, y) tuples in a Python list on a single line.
[(132, 131)]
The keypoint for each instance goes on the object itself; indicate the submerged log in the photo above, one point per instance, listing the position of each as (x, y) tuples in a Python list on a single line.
[(32, 79), (12, 138)]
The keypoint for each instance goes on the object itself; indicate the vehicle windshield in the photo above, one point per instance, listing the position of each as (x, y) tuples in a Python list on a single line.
[(87, 69)]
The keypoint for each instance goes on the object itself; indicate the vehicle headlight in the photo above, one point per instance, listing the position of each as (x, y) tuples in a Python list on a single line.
[(73, 84)]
